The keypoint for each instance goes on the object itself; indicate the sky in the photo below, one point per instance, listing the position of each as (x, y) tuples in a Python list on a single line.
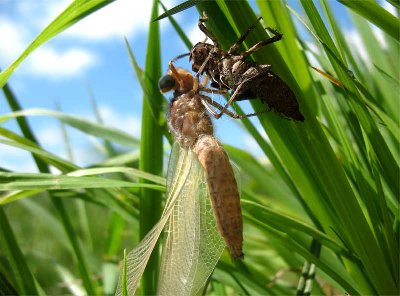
[(90, 58)]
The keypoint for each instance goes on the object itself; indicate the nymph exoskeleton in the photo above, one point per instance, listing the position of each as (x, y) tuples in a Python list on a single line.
[(230, 70)]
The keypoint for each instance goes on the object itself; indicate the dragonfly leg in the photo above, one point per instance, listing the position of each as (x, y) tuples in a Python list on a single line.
[(277, 36), (236, 45)]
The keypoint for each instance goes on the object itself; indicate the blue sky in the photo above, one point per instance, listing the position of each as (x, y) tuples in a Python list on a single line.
[(91, 53)]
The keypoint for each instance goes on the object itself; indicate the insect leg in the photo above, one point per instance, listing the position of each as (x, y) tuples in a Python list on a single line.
[(201, 69), (237, 44), (205, 31), (214, 91), (206, 101), (277, 36), (175, 74), (204, 83), (231, 99), (179, 57)]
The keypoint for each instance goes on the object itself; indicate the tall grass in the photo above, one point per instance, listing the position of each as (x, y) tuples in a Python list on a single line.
[(332, 181)]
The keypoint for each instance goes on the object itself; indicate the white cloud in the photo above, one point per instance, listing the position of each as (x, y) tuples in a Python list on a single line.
[(47, 61), (51, 136), (13, 40), (195, 35), (120, 18), (124, 122), (15, 159)]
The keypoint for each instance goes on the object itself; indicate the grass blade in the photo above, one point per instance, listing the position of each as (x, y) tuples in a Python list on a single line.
[(377, 15), (24, 278), (151, 148)]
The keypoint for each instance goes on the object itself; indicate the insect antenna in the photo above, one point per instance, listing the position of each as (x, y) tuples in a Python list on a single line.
[(179, 57)]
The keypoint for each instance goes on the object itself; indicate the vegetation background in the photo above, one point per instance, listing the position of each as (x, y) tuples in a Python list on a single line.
[(328, 199)]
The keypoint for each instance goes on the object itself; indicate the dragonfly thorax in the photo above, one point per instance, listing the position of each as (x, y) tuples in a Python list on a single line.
[(188, 119)]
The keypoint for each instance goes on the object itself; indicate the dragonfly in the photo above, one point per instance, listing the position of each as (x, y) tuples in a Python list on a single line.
[(202, 213)]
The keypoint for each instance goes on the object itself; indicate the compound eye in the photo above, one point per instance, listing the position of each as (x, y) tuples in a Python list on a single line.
[(166, 83)]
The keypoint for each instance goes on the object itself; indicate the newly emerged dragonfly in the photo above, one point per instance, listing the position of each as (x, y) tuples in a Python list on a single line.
[(202, 212), (230, 70)]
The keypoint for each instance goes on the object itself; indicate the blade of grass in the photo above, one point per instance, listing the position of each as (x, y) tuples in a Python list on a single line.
[(365, 245), (377, 15), (23, 276), (21, 181), (178, 8), (81, 124), (151, 153)]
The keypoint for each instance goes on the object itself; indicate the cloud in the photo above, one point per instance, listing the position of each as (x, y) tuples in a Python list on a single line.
[(124, 122), (13, 40), (51, 136), (49, 62), (195, 35), (120, 18), (46, 61), (16, 159)]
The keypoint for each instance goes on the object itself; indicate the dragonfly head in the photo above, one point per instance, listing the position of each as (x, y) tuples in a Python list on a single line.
[(166, 83), (179, 80)]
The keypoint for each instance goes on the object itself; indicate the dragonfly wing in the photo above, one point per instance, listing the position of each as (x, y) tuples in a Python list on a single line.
[(178, 171), (193, 244)]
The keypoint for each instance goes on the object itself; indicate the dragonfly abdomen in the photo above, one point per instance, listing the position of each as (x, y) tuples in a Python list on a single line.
[(223, 190)]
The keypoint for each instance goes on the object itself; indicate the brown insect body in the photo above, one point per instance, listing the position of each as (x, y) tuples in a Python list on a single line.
[(192, 128), (246, 79)]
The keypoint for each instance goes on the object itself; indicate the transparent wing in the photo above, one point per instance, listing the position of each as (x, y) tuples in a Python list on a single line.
[(192, 245), (179, 169)]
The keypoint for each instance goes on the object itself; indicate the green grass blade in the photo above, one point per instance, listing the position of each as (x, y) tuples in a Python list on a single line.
[(81, 124), (24, 278), (178, 8), (377, 15), (151, 148), (123, 279), (153, 101), (20, 181)]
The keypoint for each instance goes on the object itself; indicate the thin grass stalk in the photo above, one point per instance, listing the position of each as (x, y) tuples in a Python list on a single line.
[(151, 149), (25, 283)]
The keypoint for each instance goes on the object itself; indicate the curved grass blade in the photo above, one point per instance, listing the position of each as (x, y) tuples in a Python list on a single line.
[(25, 280), (376, 14), (18, 181), (178, 8), (81, 124)]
